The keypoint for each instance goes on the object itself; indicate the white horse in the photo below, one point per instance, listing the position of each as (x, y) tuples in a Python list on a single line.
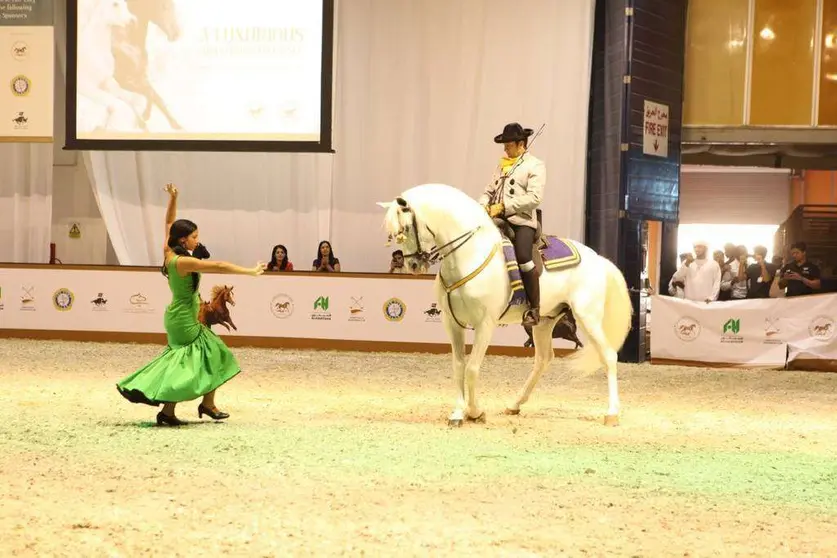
[(103, 103), (473, 288)]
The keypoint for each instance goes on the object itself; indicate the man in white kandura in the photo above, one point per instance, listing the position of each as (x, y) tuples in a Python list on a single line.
[(700, 275)]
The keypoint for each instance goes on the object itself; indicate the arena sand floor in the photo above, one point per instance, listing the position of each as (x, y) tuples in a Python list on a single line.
[(333, 454)]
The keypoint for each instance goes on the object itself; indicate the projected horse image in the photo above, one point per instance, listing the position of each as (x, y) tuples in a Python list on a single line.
[(113, 62), (114, 107), (130, 55)]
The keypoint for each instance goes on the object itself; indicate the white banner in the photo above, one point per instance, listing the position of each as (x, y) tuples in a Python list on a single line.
[(27, 65), (290, 305), (813, 329), (748, 333)]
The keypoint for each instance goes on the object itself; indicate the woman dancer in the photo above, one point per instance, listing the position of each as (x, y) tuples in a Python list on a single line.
[(196, 362)]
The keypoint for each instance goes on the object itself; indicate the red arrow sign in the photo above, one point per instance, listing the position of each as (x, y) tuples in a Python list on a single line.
[(656, 145)]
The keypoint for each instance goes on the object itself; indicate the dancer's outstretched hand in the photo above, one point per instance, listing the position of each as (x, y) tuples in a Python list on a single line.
[(171, 189), (259, 269)]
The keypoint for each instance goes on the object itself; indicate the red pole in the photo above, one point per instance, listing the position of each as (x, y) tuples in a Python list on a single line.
[(52, 258)]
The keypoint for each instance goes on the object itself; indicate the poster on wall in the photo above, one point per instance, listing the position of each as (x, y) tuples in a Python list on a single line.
[(27, 52)]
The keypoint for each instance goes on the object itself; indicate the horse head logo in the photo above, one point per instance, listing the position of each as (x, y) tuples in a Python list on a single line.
[(20, 50), (687, 329), (282, 306), (822, 328)]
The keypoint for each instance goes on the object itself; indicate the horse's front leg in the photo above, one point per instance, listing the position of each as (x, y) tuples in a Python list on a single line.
[(457, 342), (149, 104), (229, 321), (157, 100), (482, 338)]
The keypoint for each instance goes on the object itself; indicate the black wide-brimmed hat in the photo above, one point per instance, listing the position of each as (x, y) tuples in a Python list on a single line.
[(513, 132)]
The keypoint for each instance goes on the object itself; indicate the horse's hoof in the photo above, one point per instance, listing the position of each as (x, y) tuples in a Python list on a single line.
[(455, 422), (611, 420), (514, 412), (478, 420)]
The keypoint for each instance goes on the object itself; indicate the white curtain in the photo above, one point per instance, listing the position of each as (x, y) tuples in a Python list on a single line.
[(422, 86), (25, 202), (243, 203), (426, 85)]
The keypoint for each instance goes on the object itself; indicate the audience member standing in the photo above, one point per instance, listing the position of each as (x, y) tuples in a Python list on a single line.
[(700, 275), (800, 276), (675, 286), (726, 276), (760, 274)]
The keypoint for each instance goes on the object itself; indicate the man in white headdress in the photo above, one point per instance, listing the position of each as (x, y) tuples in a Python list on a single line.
[(700, 275)]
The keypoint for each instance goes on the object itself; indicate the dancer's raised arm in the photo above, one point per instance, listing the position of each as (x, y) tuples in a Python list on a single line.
[(171, 215)]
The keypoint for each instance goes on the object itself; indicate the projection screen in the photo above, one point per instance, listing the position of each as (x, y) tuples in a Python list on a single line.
[(200, 75)]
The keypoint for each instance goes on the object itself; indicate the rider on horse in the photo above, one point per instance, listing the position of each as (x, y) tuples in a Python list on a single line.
[(513, 196)]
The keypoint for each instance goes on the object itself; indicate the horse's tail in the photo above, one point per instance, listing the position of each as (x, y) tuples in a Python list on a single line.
[(618, 311)]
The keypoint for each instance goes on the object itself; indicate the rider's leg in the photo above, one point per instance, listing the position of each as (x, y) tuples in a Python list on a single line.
[(524, 242)]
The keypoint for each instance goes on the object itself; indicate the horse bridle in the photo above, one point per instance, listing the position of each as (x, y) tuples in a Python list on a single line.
[(430, 257)]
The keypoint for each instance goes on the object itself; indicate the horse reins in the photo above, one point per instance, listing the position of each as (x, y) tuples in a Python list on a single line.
[(435, 253)]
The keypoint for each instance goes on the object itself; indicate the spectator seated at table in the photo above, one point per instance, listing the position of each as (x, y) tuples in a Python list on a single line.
[(326, 261), (279, 260), (396, 265)]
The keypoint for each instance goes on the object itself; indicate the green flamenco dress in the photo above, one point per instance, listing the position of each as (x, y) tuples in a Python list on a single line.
[(195, 361)]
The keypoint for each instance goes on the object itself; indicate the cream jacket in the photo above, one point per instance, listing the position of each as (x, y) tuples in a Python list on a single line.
[(523, 190)]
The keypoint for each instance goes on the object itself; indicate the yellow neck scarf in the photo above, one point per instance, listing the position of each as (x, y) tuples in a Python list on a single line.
[(506, 163)]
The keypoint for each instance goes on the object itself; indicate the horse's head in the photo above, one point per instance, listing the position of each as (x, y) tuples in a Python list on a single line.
[(431, 221), (223, 293), (161, 13), (116, 13), (406, 229), (228, 295)]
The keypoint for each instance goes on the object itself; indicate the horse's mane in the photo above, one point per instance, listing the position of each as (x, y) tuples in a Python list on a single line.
[(216, 291)]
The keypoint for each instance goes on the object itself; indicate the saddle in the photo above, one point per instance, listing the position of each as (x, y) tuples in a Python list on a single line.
[(541, 243)]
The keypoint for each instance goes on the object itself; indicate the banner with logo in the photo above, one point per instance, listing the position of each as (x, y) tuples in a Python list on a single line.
[(274, 305), (27, 52), (813, 330), (749, 333)]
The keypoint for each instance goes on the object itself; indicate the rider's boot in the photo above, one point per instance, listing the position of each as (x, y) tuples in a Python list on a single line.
[(531, 284)]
